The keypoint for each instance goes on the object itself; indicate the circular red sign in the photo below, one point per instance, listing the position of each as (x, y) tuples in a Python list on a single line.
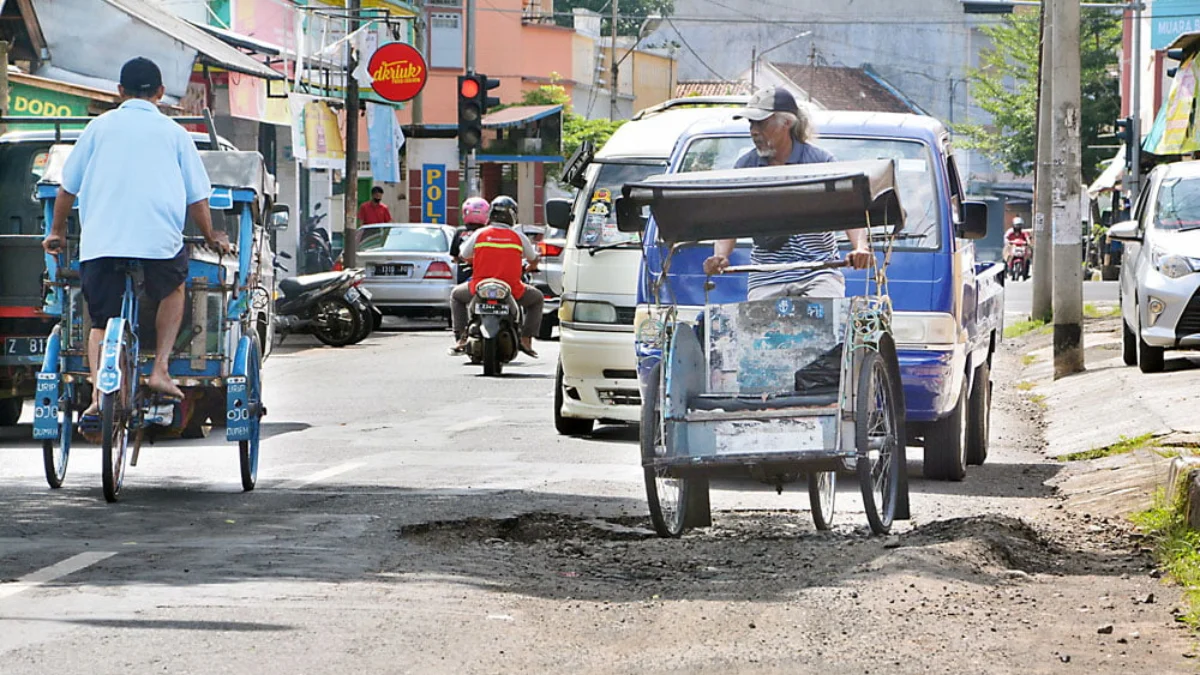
[(398, 71)]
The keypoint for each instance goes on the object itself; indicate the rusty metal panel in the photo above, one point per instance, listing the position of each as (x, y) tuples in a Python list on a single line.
[(756, 347)]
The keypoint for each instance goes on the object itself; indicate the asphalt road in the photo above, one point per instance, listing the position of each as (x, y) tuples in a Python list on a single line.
[(1018, 295), (414, 516)]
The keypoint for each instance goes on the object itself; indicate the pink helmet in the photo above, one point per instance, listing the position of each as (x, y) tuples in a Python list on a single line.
[(475, 211)]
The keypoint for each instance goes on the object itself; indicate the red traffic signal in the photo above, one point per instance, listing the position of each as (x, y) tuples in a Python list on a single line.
[(468, 87)]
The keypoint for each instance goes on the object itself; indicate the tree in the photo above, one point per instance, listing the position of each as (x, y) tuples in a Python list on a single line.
[(576, 128), (632, 12), (1006, 86)]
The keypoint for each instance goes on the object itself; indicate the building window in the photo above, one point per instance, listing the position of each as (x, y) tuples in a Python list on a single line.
[(445, 40), (448, 4)]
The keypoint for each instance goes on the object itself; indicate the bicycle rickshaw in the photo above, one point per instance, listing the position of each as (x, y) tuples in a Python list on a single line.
[(218, 354), (779, 389)]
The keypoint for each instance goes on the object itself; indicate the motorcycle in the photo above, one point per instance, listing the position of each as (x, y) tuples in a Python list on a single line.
[(493, 333), (330, 305), (314, 240), (1018, 262)]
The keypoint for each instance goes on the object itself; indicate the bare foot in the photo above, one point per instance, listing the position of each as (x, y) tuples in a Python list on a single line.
[(163, 385), (93, 409)]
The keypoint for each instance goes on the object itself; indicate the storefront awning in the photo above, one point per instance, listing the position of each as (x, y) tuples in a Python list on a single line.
[(518, 115), (1110, 178)]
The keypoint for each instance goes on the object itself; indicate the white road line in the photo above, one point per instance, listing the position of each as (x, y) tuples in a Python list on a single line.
[(471, 424), (59, 569), (321, 475)]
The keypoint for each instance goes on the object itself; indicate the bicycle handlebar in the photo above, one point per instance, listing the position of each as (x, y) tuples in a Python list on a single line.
[(787, 267)]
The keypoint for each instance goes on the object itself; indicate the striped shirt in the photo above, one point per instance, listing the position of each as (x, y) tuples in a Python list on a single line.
[(799, 247)]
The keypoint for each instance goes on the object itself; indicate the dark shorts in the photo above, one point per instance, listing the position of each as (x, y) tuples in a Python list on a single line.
[(104, 283)]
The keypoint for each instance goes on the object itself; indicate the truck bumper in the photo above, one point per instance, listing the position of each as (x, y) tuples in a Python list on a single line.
[(599, 375), (931, 381)]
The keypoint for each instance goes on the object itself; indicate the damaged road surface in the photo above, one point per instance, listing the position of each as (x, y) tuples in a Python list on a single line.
[(413, 517)]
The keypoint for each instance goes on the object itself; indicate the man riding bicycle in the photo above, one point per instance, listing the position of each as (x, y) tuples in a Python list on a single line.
[(140, 176)]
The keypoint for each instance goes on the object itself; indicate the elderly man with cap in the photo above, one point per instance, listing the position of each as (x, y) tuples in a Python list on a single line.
[(140, 177), (782, 134)]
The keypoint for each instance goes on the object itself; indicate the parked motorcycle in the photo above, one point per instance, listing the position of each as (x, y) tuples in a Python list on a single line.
[(1018, 262), (314, 241), (493, 333), (329, 305)]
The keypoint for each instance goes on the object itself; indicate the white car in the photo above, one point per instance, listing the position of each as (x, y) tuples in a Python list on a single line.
[(409, 271), (1160, 270)]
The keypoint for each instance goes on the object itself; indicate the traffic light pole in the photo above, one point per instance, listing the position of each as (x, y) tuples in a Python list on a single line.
[(472, 173)]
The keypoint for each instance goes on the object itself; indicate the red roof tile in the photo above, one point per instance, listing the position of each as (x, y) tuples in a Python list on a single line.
[(685, 88), (841, 88)]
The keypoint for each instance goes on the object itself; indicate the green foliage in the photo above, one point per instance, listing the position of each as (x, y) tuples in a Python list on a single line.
[(1006, 86), (1176, 547), (631, 11), (1023, 327), (1121, 447)]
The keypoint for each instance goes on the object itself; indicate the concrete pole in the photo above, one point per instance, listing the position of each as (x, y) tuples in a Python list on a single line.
[(1043, 253), (1135, 125), (4, 47), (1068, 233), (472, 170), (612, 98), (350, 230), (418, 106)]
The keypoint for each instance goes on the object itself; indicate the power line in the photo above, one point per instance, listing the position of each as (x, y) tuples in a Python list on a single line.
[(682, 39)]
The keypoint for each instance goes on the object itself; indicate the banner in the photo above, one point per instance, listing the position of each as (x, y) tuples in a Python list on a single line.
[(1179, 105), (385, 138), (316, 134), (433, 193)]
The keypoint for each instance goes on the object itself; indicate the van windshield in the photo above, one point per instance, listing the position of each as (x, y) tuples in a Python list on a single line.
[(914, 173), (600, 218)]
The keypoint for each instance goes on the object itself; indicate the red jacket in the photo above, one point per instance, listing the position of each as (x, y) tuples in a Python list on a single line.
[(498, 254)]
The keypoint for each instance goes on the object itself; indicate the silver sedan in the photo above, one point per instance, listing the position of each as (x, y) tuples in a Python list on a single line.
[(1160, 272), (408, 267)]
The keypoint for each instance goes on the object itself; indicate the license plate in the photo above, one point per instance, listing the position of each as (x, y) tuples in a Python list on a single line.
[(483, 308), (393, 270), (24, 346), (351, 294)]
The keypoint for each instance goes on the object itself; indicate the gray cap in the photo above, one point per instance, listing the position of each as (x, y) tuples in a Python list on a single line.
[(767, 102)]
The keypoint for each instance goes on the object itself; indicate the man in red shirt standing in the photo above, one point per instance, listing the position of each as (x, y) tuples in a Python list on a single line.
[(374, 211)]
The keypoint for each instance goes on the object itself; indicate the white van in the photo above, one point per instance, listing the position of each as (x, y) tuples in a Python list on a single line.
[(596, 377)]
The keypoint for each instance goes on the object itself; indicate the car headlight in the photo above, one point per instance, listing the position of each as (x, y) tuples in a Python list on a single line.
[(492, 290), (587, 311), (924, 328), (1175, 266)]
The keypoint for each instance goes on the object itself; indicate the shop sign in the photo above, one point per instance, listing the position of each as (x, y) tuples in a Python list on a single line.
[(433, 193), (27, 101), (398, 71)]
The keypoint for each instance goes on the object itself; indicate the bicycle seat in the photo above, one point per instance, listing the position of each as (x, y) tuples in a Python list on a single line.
[(308, 282)]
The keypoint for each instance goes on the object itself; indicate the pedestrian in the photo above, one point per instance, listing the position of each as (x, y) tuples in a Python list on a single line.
[(374, 210), (782, 134), (140, 177)]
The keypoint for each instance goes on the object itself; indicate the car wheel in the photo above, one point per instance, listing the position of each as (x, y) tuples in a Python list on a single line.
[(979, 414), (1129, 345), (567, 426), (946, 441), (10, 411), (1150, 358)]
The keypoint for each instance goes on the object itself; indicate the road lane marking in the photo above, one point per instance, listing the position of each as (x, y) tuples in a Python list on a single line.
[(471, 424), (322, 475), (55, 571)]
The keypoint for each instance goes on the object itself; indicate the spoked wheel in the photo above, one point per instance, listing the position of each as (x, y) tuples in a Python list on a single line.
[(338, 322), (822, 488), (56, 453), (116, 411), (878, 437), (251, 367), (667, 497)]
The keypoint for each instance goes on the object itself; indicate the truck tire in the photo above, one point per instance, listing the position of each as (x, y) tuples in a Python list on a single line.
[(10, 411), (567, 426), (979, 416), (946, 443)]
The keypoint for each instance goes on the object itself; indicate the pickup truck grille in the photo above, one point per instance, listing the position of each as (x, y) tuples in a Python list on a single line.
[(625, 315), (1189, 321)]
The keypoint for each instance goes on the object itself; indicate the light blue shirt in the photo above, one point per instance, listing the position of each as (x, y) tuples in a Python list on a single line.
[(135, 172)]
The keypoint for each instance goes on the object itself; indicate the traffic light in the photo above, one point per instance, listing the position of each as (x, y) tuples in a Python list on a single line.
[(1124, 133), (1174, 55), (473, 104)]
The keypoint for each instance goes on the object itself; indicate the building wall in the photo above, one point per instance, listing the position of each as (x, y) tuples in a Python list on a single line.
[(925, 51), (653, 78)]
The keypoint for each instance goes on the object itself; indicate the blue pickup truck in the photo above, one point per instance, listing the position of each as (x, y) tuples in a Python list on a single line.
[(949, 307)]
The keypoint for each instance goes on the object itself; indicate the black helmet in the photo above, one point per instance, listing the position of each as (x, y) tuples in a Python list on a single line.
[(504, 210)]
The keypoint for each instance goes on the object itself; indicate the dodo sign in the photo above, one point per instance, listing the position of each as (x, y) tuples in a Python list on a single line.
[(398, 71)]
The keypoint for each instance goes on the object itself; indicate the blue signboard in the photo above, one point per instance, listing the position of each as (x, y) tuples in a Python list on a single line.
[(433, 193), (1170, 18)]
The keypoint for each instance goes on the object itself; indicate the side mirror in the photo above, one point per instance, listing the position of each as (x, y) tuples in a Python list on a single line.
[(558, 213), (285, 255), (1126, 230), (280, 217), (975, 220), (630, 216)]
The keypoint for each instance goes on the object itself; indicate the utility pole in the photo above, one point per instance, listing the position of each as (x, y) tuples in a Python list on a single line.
[(472, 172), (612, 97), (4, 47), (418, 107), (350, 231), (1068, 232), (1043, 252), (1135, 131)]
